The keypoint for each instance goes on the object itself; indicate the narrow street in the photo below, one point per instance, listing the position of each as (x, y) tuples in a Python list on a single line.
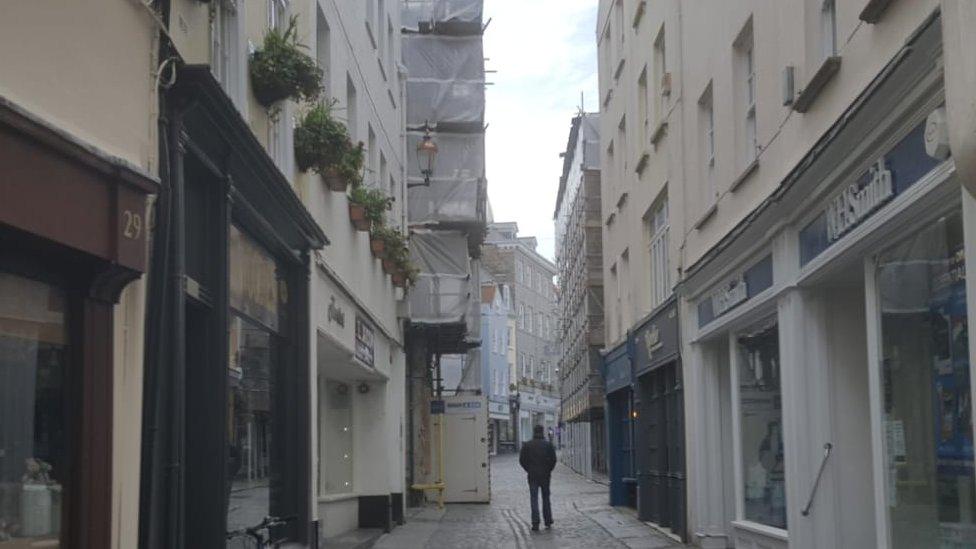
[(583, 519)]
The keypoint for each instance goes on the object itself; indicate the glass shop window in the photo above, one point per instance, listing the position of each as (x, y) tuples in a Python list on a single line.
[(258, 298), (927, 414), (336, 457), (33, 426), (760, 409)]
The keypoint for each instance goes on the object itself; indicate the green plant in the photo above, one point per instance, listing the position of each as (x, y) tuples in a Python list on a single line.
[(281, 69), (321, 141), (374, 201), (350, 166)]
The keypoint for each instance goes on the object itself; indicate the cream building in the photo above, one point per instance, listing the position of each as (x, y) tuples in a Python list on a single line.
[(823, 152), (79, 141)]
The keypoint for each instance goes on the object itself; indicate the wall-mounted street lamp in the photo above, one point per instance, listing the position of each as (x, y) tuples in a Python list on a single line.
[(426, 156)]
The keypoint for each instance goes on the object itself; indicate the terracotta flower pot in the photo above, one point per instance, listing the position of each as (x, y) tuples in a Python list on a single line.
[(399, 280), (334, 182), (389, 266), (378, 247), (357, 214)]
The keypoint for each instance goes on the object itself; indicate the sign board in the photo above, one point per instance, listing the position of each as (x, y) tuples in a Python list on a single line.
[(436, 407), (462, 407), (656, 341), (364, 341)]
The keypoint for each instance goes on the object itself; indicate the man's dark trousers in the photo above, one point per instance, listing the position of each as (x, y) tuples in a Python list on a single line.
[(535, 486)]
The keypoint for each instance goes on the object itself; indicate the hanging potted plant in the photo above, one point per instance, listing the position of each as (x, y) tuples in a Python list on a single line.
[(374, 205), (321, 143), (349, 169), (280, 69), (377, 240)]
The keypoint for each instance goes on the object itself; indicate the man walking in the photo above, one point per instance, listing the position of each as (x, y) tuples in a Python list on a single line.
[(538, 458)]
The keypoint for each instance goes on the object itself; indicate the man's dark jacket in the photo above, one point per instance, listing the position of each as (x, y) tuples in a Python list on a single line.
[(538, 458)]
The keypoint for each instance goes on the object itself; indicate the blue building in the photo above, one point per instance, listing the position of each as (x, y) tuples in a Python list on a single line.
[(496, 301)]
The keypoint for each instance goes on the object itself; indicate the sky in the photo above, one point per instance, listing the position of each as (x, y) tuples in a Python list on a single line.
[(545, 55)]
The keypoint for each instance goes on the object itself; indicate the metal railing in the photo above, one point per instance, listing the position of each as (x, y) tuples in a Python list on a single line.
[(816, 484)]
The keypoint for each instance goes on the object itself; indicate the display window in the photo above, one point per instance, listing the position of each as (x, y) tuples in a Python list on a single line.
[(760, 414), (336, 435), (926, 415), (254, 402), (34, 430)]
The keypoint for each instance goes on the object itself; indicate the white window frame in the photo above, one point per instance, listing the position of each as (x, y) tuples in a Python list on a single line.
[(227, 57), (521, 316), (752, 139), (659, 229), (660, 69), (828, 28)]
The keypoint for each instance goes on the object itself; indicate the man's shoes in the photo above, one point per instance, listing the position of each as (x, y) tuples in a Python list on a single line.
[(548, 526), (535, 527)]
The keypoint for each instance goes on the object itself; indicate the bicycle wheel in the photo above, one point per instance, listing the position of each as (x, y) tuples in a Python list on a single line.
[(242, 541)]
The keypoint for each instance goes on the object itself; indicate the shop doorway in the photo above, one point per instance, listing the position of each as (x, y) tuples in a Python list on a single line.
[(661, 456)]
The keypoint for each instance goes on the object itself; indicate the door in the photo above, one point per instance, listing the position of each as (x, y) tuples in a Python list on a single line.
[(466, 472)]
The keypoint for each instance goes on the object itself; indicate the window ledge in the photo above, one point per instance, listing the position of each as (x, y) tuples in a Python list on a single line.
[(824, 74), (750, 169), (659, 131), (335, 498), (639, 13), (622, 200), (705, 217), (761, 529), (873, 11), (620, 69), (608, 97)]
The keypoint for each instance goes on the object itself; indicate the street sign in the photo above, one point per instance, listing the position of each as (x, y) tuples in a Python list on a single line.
[(436, 407)]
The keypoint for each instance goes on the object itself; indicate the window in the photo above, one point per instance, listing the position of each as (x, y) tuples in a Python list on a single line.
[(521, 316), (760, 416), (523, 365), (335, 438), (924, 370), (618, 26), (706, 126), (370, 18), (380, 31), (746, 93), (34, 425), (370, 156), (642, 111), (828, 28), (323, 50), (352, 109), (658, 229), (511, 339), (662, 80), (277, 14), (226, 52), (531, 368), (281, 128), (615, 322), (390, 45), (622, 143), (518, 270)]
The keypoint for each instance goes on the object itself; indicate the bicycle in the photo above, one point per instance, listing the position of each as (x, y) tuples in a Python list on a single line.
[(258, 536)]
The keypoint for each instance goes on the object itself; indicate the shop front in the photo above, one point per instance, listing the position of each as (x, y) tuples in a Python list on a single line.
[(620, 416), (359, 368), (659, 420), (226, 432), (831, 361), (73, 236)]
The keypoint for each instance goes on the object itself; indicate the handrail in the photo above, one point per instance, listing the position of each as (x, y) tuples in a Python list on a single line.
[(816, 484)]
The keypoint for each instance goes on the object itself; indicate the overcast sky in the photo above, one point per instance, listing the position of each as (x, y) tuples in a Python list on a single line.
[(545, 55)]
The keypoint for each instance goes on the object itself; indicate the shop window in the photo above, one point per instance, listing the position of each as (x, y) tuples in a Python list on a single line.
[(258, 298), (760, 410), (336, 454), (33, 430), (927, 411)]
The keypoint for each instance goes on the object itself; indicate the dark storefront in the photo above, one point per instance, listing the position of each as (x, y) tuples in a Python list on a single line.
[(618, 376), (659, 425), (72, 236), (226, 433)]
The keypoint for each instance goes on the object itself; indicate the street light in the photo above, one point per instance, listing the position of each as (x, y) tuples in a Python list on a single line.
[(426, 155)]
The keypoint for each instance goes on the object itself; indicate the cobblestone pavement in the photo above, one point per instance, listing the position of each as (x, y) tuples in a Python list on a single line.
[(583, 519)]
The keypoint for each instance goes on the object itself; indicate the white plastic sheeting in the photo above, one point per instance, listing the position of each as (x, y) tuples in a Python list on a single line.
[(445, 79), (442, 292), (415, 12), (457, 184)]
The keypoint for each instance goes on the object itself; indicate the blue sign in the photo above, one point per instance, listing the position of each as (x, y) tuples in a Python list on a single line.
[(753, 281), (436, 407), (889, 176)]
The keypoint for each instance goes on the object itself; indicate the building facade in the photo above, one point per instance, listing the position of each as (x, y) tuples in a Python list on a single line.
[(496, 301), (79, 171), (580, 324), (513, 260), (825, 229)]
